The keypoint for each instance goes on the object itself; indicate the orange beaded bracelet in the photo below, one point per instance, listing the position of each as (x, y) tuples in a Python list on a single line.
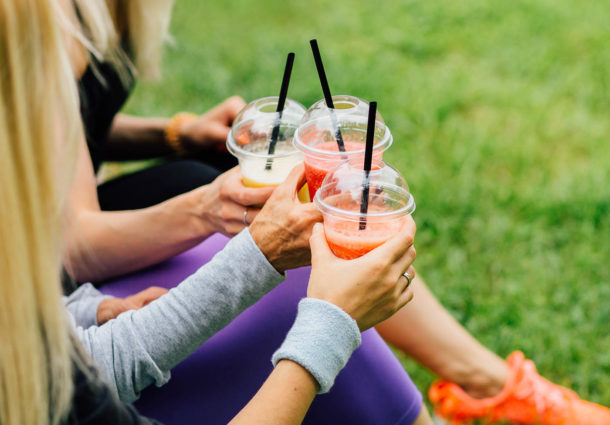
[(172, 131)]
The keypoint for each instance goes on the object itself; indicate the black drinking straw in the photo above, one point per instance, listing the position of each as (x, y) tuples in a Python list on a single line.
[(326, 90), (368, 159), (280, 108)]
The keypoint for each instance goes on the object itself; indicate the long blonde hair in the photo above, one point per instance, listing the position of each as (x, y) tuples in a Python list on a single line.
[(38, 106), (144, 25)]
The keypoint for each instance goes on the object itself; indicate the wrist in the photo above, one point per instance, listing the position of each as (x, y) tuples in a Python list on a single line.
[(270, 246), (176, 136), (192, 208)]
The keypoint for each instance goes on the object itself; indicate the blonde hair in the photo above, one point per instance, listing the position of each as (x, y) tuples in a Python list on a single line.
[(38, 108), (144, 25)]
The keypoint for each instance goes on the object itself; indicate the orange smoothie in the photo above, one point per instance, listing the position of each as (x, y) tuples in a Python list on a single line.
[(347, 241), (340, 199)]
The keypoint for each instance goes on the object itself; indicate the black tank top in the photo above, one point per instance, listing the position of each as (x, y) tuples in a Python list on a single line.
[(102, 95)]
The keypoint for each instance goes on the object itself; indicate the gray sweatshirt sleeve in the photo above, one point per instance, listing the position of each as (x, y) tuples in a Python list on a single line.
[(83, 304), (139, 347)]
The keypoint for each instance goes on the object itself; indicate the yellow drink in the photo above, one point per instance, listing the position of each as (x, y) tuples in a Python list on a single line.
[(252, 183), (254, 171), (303, 194)]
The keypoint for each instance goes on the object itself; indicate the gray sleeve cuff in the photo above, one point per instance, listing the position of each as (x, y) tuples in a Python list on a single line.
[(83, 304), (322, 339)]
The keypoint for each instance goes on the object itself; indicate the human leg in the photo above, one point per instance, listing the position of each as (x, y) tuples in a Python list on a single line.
[(224, 373), (154, 185), (424, 417), (484, 386), (449, 350)]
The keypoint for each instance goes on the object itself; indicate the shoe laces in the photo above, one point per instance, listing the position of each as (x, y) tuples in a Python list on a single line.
[(547, 397)]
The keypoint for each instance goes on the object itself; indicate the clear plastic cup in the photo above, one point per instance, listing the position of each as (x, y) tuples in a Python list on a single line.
[(349, 232), (316, 139), (344, 105), (250, 137)]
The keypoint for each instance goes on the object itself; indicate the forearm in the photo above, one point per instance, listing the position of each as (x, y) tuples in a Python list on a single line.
[(317, 347), (283, 399), (137, 138), (140, 347), (450, 351), (102, 244)]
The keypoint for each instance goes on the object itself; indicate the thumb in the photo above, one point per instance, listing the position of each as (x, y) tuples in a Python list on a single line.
[(294, 181), (320, 250), (397, 245), (228, 109)]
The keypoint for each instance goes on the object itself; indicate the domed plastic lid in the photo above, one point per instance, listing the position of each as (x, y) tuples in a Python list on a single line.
[(344, 105), (253, 127), (318, 136), (341, 192)]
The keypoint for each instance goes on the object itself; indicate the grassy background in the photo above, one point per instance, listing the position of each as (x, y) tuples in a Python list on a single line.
[(500, 116)]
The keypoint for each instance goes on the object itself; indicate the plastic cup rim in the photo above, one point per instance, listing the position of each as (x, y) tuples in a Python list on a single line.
[(382, 145), (325, 208), (343, 98), (272, 100), (238, 152)]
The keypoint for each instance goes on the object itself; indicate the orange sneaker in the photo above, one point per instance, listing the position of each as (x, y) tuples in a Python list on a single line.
[(527, 398)]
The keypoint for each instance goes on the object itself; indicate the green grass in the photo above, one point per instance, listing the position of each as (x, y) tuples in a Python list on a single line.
[(500, 116)]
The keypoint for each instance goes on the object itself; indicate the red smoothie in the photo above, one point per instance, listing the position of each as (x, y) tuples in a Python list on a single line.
[(316, 168)]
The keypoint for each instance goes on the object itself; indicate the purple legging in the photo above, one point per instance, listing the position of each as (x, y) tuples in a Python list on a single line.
[(219, 378)]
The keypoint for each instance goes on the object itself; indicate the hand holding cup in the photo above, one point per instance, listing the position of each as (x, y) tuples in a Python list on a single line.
[(370, 288), (228, 206), (283, 227)]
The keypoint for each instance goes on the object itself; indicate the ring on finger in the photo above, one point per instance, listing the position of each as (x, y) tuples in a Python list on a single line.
[(408, 276), (244, 217)]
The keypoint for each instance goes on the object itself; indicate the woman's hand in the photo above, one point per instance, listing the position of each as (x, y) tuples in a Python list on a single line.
[(211, 129), (282, 228), (112, 307), (223, 202), (370, 288)]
